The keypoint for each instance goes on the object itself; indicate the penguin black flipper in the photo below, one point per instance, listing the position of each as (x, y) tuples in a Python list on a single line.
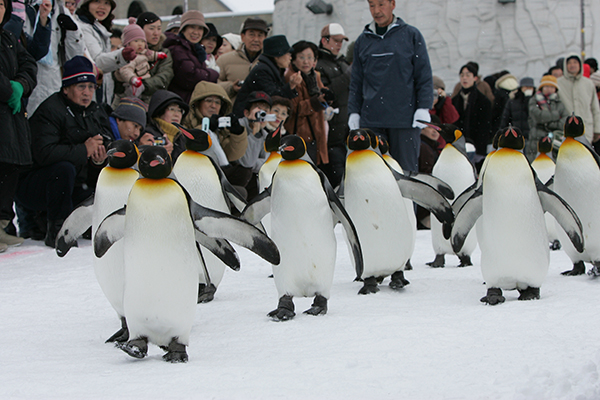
[(464, 197), (216, 224), (231, 195), (343, 217), (563, 213), (74, 226), (220, 248), (466, 219), (432, 181), (258, 207), (110, 230)]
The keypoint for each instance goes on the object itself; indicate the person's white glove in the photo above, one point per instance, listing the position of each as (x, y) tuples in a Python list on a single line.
[(354, 121), (423, 115)]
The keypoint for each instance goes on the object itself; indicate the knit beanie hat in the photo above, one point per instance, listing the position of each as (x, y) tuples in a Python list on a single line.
[(146, 18), (193, 17), (234, 40), (548, 80), (527, 82), (131, 109), (132, 32), (77, 70)]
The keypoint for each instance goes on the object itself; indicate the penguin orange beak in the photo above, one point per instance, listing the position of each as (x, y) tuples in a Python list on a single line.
[(119, 154), (159, 161)]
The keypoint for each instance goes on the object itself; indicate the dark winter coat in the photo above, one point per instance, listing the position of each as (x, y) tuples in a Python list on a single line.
[(475, 119), (266, 77), (59, 129), (516, 113), (16, 64), (391, 76), (335, 75), (187, 68)]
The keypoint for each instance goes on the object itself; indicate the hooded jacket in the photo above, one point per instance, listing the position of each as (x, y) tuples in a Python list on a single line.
[(234, 66), (16, 64), (234, 146), (391, 76), (578, 94)]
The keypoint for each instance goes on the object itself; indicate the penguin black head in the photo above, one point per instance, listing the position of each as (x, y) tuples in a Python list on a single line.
[(292, 147), (545, 145), (195, 139), (373, 137), (273, 140), (496, 138), (574, 126), (122, 154), (511, 138), (155, 162), (384, 146), (359, 139)]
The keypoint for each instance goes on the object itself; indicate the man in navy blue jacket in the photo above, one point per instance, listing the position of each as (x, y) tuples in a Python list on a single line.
[(391, 85)]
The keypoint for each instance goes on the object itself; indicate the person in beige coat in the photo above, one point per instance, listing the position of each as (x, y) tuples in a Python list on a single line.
[(236, 65), (578, 94)]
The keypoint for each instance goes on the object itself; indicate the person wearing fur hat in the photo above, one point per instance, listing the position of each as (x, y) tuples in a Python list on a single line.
[(189, 56), (132, 74), (547, 113), (69, 132), (578, 94), (504, 86), (212, 42), (17, 80), (516, 111)]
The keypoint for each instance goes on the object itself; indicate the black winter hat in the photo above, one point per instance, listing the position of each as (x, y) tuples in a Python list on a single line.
[(276, 46), (146, 18), (212, 32)]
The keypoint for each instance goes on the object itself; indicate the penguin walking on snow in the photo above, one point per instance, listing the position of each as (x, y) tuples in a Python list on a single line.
[(510, 205), (302, 204), (114, 184), (204, 180), (161, 278), (577, 180), (453, 167), (374, 196), (544, 167)]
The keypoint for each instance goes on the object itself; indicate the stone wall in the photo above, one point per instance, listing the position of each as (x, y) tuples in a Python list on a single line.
[(525, 37)]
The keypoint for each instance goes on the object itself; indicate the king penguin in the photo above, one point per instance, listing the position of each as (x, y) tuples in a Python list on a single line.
[(544, 167), (302, 204), (204, 180), (374, 196), (265, 174), (161, 258), (453, 167), (114, 184), (577, 180), (510, 205)]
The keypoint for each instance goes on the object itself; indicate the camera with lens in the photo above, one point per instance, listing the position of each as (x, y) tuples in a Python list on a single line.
[(262, 116), (159, 141)]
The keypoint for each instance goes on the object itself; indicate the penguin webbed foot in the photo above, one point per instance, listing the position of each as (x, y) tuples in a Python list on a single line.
[(120, 336), (206, 293), (137, 348), (175, 352), (595, 271), (493, 297), (531, 293), (555, 245), (465, 261), (438, 262), (408, 266), (369, 286), (319, 306), (284, 310), (398, 281), (578, 269)]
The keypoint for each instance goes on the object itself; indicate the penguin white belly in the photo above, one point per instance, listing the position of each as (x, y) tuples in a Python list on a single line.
[(302, 225), (112, 191), (379, 212), (455, 169), (544, 168), (197, 175), (265, 177), (577, 181), (514, 252), (161, 263), (410, 206)]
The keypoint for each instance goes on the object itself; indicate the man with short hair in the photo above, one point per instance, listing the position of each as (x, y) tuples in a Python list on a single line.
[(391, 86), (236, 65), (335, 75), (578, 94), (69, 131)]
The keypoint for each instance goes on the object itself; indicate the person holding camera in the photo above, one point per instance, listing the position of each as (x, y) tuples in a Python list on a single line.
[(442, 104), (69, 133), (308, 119), (165, 109)]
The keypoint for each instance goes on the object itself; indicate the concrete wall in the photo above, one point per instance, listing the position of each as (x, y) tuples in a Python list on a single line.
[(525, 37)]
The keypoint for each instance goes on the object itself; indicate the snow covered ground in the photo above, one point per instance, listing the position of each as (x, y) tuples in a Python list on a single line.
[(433, 340)]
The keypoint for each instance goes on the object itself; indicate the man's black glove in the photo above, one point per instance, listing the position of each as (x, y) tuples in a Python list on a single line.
[(214, 122), (235, 128), (66, 23)]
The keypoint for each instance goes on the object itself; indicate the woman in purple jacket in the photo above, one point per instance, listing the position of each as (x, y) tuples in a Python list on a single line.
[(189, 55)]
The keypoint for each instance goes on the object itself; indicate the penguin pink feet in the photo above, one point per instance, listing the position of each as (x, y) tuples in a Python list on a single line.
[(284, 310), (493, 297)]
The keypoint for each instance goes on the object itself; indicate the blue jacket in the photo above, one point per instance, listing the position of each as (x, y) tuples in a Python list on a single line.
[(391, 76)]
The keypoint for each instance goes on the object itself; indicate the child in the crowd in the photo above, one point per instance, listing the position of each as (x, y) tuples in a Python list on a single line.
[(281, 108), (132, 74)]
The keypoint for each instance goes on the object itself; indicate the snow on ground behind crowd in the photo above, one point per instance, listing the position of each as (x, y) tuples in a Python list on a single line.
[(433, 340)]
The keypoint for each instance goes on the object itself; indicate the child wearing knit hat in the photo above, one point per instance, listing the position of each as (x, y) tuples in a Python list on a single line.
[(138, 68)]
